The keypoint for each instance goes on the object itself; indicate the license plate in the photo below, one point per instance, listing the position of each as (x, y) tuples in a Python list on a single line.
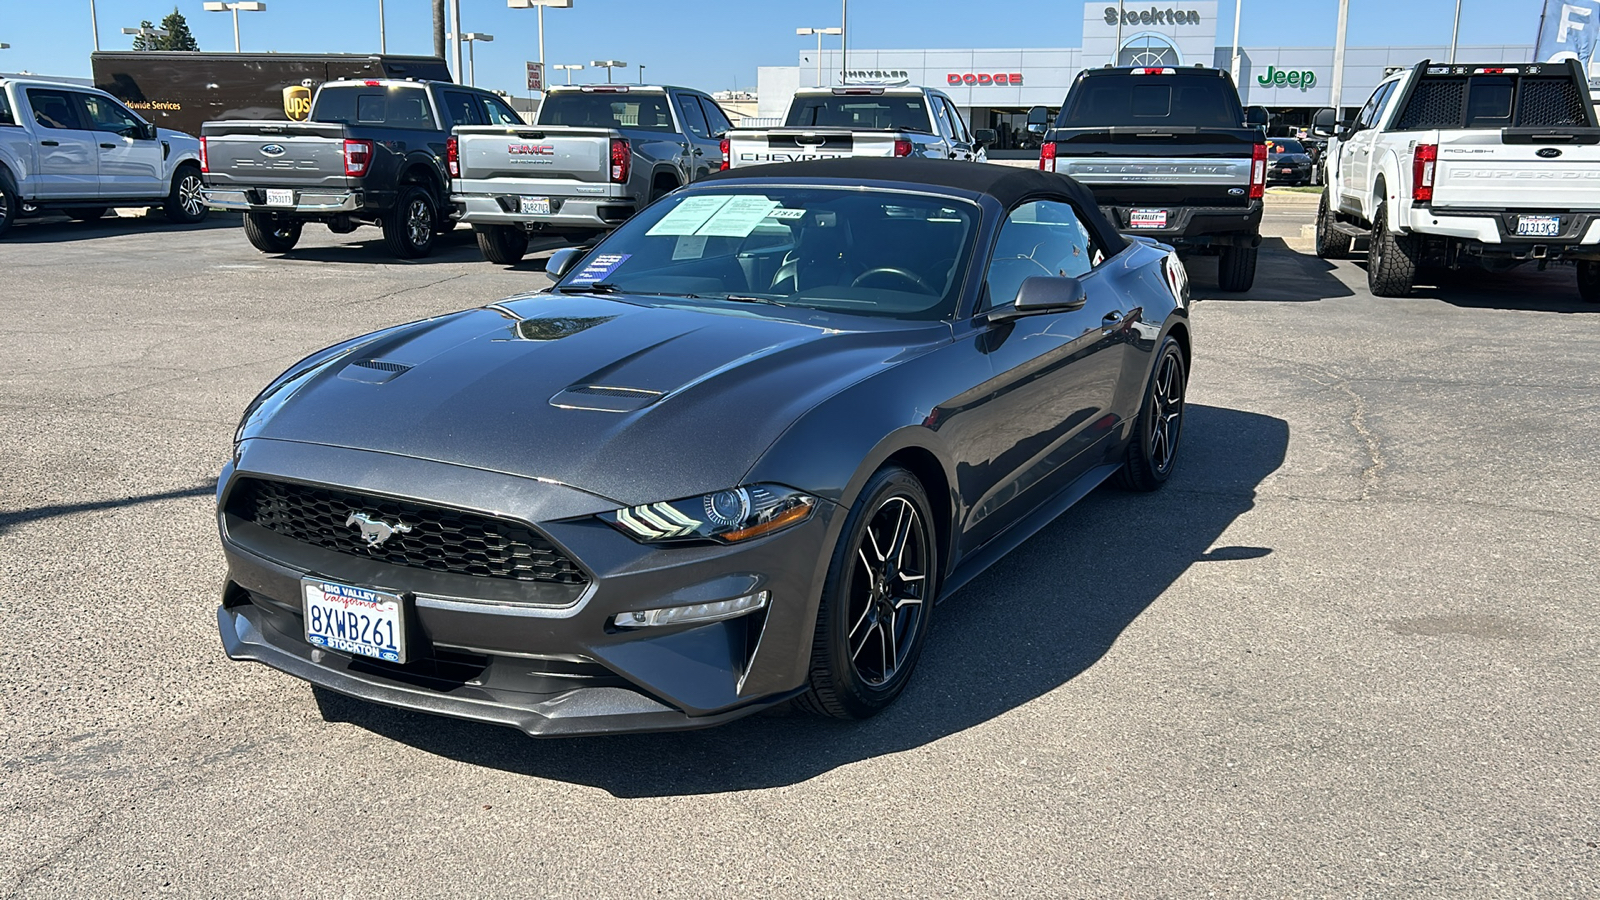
[(354, 620), (1286, 171), (1147, 218), (280, 198), (1538, 226), (534, 206)]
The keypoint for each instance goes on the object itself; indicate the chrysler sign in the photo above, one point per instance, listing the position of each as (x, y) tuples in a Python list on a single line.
[(983, 79)]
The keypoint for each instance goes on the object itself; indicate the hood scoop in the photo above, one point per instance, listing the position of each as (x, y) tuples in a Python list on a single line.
[(605, 398), (373, 371)]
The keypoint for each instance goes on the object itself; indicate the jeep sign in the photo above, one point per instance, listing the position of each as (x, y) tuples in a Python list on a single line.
[(1275, 77)]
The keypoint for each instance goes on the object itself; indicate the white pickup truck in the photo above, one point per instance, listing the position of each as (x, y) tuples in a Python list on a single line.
[(1448, 166), (861, 120), (75, 149)]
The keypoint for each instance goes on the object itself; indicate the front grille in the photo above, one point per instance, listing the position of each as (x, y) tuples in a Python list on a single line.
[(440, 539)]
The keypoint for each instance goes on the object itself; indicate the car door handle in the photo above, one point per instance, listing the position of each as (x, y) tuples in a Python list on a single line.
[(108, 146), (49, 143), (1112, 321), (699, 152)]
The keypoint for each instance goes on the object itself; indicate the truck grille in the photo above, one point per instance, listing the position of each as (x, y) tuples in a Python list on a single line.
[(440, 539)]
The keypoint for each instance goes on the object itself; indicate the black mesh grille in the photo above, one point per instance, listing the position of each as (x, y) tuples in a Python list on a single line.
[(1550, 101), (443, 540), (1435, 104), (381, 365)]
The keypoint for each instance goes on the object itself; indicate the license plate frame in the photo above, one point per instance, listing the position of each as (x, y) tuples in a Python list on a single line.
[(1147, 218), (280, 197), (1285, 171), (334, 613), (1538, 226), (533, 206)]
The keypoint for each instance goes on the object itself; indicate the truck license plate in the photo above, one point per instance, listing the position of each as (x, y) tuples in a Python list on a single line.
[(354, 620), (280, 198), (1538, 226), (534, 206), (1147, 218)]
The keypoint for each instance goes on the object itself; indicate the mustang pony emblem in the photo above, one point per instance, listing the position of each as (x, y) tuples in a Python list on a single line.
[(375, 531)]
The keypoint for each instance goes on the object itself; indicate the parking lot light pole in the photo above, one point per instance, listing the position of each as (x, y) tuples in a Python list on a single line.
[(641, 73), (541, 4), (383, 33), (819, 32), (1233, 68), (473, 37), (608, 65), (568, 69), (94, 23), (235, 7), (1455, 33), (146, 31)]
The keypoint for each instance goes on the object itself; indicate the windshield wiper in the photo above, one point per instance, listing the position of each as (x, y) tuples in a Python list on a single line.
[(599, 287), (743, 298)]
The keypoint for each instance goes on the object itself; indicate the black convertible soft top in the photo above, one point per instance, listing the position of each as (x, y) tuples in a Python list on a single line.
[(1010, 185)]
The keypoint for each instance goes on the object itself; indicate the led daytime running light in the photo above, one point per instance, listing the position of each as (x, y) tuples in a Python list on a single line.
[(700, 613)]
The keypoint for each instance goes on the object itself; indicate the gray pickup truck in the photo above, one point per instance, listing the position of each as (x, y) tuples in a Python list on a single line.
[(371, 152), (596, 155), (862, 120)]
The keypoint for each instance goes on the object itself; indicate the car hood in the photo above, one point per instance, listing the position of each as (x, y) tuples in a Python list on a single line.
[(634, 403)]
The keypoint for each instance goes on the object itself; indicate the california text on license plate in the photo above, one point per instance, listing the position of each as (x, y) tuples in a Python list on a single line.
[(280, 198), (354, 620), (1147, 218), (1538, 226), (534, 206)]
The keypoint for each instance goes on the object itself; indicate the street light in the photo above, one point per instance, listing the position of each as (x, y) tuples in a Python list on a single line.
[(525, 4), (473, 37), (819, 32), (608, 65), (383, 33), (1233, 68), (146, 32), (641, 73), (235, 6), (94, 23), (569, 70)]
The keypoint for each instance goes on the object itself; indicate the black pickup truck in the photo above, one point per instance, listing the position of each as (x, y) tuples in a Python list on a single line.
[(371, 152), (1168, 153)]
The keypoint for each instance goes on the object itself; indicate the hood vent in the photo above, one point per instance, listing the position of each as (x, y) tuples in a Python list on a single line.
[(373, 371), (604, 398)]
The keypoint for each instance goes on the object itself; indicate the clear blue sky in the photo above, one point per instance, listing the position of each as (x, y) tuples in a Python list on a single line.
[(711, 44)]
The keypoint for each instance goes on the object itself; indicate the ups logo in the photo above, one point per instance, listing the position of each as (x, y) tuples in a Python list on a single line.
[(297, 102)]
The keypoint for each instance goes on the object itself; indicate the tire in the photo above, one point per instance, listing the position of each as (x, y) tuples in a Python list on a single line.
[(408, 229), (186, 204), (872, 589), (1391, 263), (1330, 243), (10, 203), (1588, 278), (270, 235), (1153, 452), (446, 225), (1236, 268), (88, 213), (502, 245)]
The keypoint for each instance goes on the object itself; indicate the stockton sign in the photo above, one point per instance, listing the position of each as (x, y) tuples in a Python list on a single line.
[(1153, 16), (1276, 77)]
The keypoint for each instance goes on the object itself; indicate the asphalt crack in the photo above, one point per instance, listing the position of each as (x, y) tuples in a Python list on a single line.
[(57, 855)]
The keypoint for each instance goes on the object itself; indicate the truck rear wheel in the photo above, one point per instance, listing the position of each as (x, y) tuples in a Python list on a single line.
[(408, 229), (1236, 268), (1331, 244), (10, 203), (1589, 280), (503, 245), (270, 235), (1391, 263)]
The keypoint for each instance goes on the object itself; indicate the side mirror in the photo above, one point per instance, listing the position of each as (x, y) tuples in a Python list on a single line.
[(983, 136), (1325, 123), (562, 261), (1037, 128), (1256, 117), (1043, 294)]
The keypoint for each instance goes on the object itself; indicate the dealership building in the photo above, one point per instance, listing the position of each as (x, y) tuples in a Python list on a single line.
[(996, 88)]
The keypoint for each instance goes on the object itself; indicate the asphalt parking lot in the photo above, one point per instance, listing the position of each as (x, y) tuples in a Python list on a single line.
[(1350, 650)]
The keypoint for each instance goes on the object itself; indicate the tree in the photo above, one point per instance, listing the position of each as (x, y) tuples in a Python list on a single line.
[(178, 36)]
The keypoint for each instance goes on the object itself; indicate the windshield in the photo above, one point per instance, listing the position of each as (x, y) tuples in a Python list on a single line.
[(395, 106), (868, 112), (1152, 100), (647, 112), (1280, 145), (864, 252)]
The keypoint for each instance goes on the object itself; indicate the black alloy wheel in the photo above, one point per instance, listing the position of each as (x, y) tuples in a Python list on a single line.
[(408, 229), (1391, 261), (1153, 452), (503, 245), (1589, 280), (10, 204), (269, 234), (186, 204), (1331, 244), (877, 601)]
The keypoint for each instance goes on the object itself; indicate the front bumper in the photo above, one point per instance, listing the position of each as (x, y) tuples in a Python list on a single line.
[(1189, 226), (546, 668), (577, 213), (307, 202)]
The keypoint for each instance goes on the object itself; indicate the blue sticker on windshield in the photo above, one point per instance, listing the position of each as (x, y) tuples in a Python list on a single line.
[(599, 267)]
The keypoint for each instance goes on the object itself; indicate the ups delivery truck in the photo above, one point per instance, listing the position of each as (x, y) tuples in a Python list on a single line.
[(182, 90)]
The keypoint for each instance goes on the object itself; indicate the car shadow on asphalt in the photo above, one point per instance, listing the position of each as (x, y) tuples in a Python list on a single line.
[(1032, 623), (9, 520), (52, 229), (1283, 275)]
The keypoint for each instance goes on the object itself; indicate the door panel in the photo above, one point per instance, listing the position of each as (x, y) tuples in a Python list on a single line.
[(702, 147), (130, 163), (69, 158)]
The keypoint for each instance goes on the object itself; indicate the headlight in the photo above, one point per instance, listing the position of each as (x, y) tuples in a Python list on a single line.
[(730, 516)]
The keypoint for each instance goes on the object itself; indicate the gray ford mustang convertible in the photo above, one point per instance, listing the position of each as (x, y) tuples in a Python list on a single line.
[(732, 458)]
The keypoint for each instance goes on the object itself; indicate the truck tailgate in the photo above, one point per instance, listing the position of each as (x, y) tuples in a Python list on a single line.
[(1484, 169), (747, 147), (493, 157), (1177, 166), (267, 154)]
